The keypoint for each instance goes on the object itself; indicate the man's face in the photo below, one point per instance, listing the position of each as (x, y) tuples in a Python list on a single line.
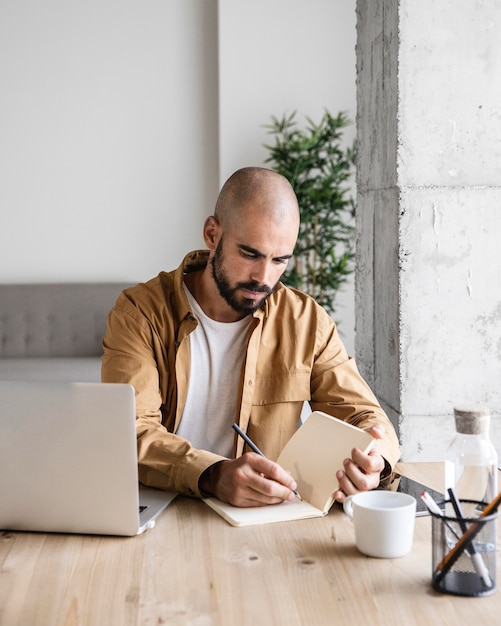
[(244, 297), (249, 261)]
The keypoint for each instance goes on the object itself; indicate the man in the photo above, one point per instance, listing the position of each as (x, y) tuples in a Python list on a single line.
[(221, 340)]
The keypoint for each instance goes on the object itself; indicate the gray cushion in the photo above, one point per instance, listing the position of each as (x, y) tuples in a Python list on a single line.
[(77, 369), (55, 320)]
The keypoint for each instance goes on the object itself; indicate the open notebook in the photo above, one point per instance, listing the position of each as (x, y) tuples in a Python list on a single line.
[(312, 455)]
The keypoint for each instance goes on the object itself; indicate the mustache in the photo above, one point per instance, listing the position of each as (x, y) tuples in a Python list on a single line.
[(255, 286)]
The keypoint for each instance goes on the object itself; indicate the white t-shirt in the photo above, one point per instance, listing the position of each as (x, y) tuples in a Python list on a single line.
[(217, 351)]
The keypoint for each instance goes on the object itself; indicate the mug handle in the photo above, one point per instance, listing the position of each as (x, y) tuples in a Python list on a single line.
[(348, 506)]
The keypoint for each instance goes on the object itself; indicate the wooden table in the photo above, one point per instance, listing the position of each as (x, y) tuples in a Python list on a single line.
[(194, 569)]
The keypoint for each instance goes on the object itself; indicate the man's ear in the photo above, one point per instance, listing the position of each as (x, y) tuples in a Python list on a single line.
[(212, 232)]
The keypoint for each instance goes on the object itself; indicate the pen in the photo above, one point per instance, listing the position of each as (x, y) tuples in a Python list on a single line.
[(476, 558), (478, 562), (453, 554), (254, 448), (433, 507)]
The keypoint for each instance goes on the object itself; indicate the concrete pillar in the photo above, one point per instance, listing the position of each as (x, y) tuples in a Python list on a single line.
[(428, 282)]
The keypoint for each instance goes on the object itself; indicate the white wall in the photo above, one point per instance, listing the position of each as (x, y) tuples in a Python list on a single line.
[(108, 136), (119, 119), (277, 57)]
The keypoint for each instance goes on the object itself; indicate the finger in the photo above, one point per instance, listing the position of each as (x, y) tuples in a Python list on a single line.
[(247, 496), (273, 472), (339, 496), (377, 431), (372, 462), (253, 499), (345, 486), (252, 484), (247, 488), (361, 479), (269, 491)]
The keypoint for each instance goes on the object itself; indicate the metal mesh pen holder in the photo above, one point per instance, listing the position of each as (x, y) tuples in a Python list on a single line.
[(464, 550)]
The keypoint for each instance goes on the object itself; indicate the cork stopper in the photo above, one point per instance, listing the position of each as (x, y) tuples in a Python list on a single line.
[(472, 419)]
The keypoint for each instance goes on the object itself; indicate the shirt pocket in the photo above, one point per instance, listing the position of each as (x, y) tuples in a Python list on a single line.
[(282, 386)]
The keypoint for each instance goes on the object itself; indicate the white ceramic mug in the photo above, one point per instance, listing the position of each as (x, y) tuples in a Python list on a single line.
[(384, 522)]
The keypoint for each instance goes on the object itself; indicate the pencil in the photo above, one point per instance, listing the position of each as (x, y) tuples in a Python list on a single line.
[(478, 562), (254, 448), (453, 554)]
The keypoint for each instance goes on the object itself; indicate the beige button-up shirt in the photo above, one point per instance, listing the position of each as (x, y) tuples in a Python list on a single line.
[(294, 355)]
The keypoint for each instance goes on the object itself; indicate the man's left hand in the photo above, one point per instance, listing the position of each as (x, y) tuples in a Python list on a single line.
[(362, 471)]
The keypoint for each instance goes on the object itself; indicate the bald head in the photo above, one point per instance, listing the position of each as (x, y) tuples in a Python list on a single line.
[(257, 191)]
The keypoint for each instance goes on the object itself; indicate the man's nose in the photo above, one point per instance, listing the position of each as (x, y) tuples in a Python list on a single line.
[(261, 273)]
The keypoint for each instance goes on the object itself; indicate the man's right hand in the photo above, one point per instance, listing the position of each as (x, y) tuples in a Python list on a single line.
[(251, 480)]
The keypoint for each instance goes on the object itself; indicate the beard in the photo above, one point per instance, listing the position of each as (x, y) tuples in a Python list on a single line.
[(241, 305)]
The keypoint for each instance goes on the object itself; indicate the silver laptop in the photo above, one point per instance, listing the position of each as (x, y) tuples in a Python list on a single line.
[(68, 460)]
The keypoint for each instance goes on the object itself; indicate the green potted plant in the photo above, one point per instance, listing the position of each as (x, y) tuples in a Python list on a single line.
[(318, 168)]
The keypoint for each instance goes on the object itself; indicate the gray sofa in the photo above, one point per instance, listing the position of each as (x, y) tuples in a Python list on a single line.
[(54, 331)]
